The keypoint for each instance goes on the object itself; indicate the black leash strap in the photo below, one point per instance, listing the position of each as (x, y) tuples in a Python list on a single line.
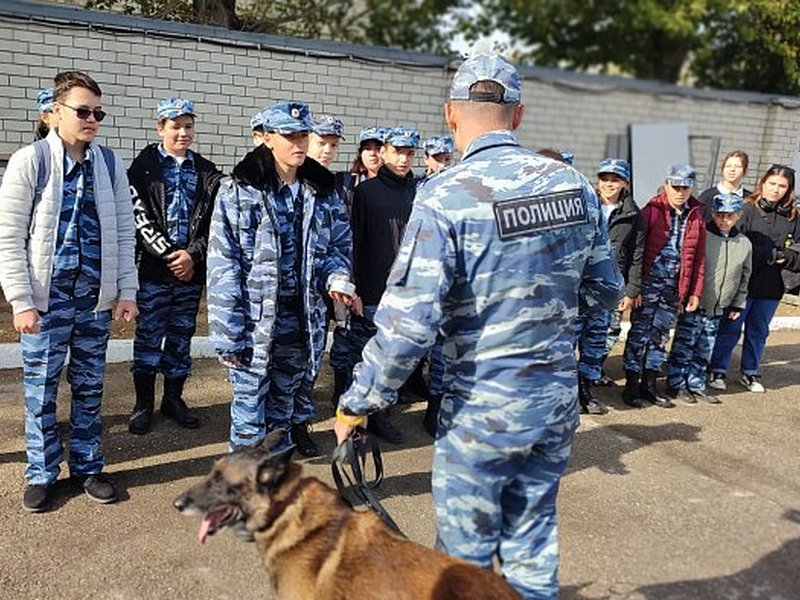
[(349, 463)]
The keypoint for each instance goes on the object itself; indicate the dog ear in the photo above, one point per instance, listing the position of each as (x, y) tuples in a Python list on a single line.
[(273, 439), (272, 469)]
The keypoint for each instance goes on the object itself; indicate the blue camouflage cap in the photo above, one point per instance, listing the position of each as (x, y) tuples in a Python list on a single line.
[(402, 137), (328, 125), (377, 134), (257, 120), (45, 100), (486, 67), (567, 156), (286, 118), (727, 203), (615, 166), (681, 175), (438, 144), (172, 108)]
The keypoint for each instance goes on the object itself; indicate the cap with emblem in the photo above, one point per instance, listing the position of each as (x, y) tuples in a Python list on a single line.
[(172, 108), (286, 118), (486, 67), (328, 125), (681, 175), (402, 137), (45, 100), (615, 166), (438, 144), (727, 203), (377, 134)]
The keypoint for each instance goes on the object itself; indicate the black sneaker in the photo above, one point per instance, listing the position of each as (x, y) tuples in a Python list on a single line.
[(98, 487), (36, 497), (705, 396), (302, 439)]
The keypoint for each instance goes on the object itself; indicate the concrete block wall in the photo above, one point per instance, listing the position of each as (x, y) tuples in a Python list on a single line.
[(230, 75)]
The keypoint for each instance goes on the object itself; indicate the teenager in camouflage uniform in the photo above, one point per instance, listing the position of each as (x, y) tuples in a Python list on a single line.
[(173, 192), (279, 241), (673, 268), (66, 263), (496, 254)]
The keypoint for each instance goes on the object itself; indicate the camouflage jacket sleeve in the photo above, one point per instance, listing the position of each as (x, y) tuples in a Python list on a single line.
[(410, 311), (338, 261), (225, 277), (601, 282)]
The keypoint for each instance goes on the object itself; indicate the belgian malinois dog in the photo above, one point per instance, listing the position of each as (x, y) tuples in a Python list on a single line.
[(315, 547)]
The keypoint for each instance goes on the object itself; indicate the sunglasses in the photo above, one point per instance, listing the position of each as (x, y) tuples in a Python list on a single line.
[(84, 113), (778, 167)]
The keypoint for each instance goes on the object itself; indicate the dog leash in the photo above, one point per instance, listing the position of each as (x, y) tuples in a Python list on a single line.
[(351, 457)]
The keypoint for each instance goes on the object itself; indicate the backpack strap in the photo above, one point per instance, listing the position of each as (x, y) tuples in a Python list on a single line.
[(111, 164), (42, 150)]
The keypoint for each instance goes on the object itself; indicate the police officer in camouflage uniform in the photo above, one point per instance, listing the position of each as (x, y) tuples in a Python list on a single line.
[(44, 102), (496, 254), (279, 240), (173, 192), (66, 262)]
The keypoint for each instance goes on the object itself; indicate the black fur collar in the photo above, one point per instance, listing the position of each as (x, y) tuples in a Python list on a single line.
[(257, 169)]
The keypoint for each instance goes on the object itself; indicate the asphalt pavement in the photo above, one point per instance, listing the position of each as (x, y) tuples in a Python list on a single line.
[(698, 501)]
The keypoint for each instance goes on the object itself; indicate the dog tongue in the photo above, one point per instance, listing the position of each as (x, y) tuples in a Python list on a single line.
[(202, 533)]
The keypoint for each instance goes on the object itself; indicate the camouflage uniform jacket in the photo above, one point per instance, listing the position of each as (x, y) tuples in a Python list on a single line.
[(244, 252), (497, 252)]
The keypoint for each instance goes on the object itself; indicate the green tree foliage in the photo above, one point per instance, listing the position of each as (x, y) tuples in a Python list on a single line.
[(744, 44), (409, 24)]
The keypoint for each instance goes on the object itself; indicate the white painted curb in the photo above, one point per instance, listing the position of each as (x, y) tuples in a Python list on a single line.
[(122, 350)]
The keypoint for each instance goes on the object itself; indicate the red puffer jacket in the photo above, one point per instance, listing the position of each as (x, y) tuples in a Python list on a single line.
[(656, 220)]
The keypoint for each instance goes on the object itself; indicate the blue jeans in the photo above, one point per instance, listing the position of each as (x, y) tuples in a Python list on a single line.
[(755, 320)]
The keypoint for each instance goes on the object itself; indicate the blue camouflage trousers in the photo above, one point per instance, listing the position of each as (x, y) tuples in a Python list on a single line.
[(281, 396), (614, 331), (70, 324), (497, 496), (592, 330), (646, 346), (165, 326), (691, 350)]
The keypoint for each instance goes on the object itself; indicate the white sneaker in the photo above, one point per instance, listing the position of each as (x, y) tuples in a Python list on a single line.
[(751, 383), (717, 382)]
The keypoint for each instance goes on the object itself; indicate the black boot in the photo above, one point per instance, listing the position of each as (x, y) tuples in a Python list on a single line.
[(415, 385), (142, 415), (631, 394), (431, 420), (649, 390), (173, 406), (589, 404), (380, 425), (302, 439), (341, 381)]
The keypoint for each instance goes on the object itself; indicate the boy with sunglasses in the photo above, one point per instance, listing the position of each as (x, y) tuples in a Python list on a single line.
[(67, 244)]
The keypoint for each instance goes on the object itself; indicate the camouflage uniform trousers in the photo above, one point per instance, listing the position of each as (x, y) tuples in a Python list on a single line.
[(167, 319), (691, 350), (279, 398), (650, 325), (497, 496), (592, 329), (71, 324), (614, 331)]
